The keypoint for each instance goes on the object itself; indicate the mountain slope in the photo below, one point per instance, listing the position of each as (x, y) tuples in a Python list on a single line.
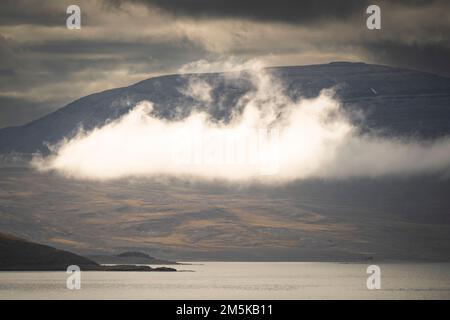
[(395, 101), (391, 218)]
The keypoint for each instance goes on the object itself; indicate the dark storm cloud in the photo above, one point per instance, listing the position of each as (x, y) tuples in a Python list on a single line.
[(282, 10), (44, 66), (42, 12), (416, 53), (289, 11), (69, 65), (17, 12)]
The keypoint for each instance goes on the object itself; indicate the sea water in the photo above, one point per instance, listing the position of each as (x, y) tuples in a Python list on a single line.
[(239, 280)]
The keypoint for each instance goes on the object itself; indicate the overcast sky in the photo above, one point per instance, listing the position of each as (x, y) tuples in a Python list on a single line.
[(44, 66)]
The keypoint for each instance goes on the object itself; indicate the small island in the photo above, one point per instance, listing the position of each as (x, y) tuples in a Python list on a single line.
[(130, 257)]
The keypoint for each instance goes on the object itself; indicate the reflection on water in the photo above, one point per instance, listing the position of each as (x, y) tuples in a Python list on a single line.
[(239, 280)]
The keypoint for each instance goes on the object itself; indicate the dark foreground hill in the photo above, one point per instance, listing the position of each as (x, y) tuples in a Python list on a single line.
[(21, 255), (395, 101)]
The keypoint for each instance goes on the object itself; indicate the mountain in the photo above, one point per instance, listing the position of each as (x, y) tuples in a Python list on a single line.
[(21, 255), (395, 101), (387, 218)]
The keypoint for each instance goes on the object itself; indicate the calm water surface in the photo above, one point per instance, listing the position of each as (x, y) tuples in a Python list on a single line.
[(239, 280)]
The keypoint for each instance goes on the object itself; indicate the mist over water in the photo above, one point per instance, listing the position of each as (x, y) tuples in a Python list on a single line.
[(269, 138)]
